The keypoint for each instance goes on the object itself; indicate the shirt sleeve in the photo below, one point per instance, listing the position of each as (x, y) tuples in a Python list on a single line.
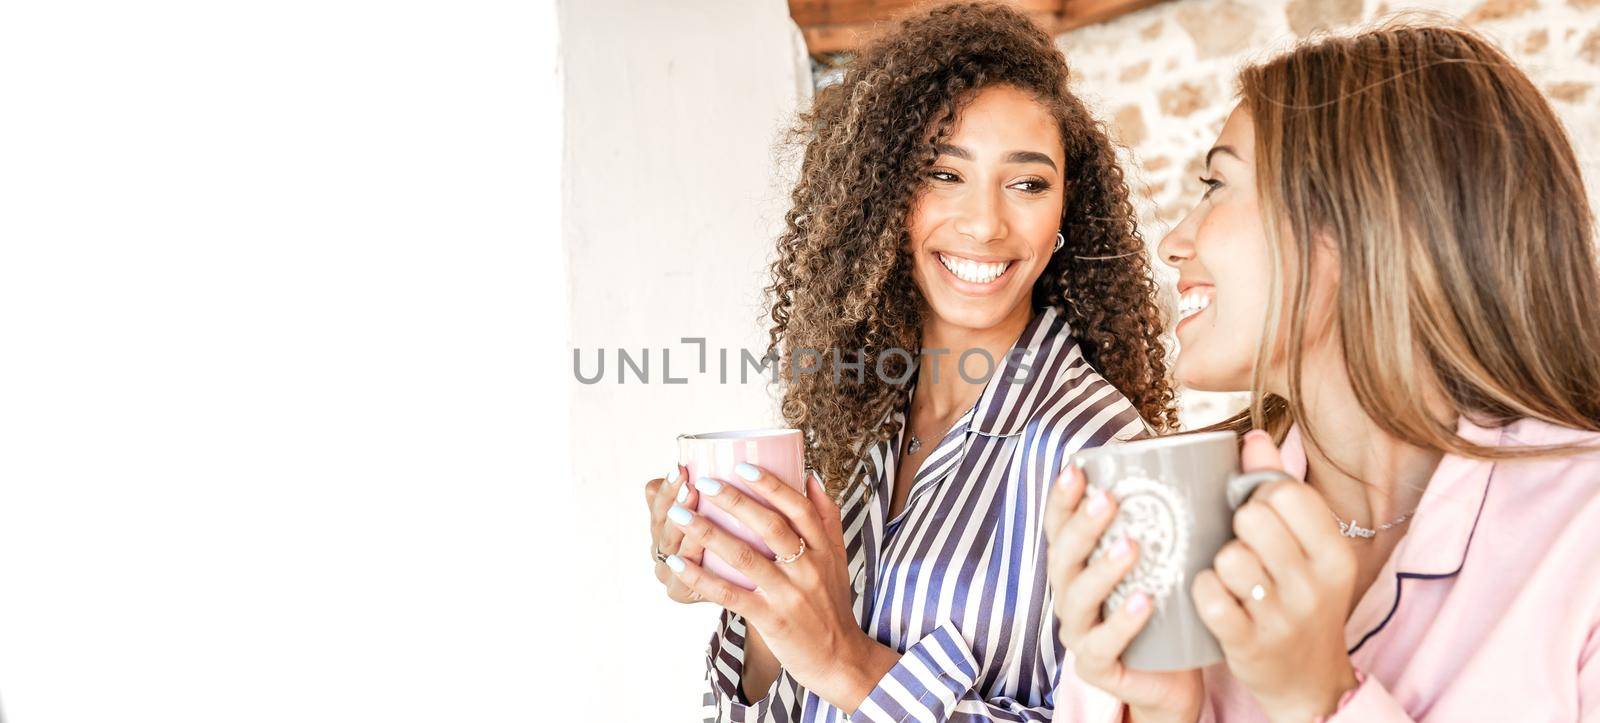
[(1368, 701), (724, 671), (1075, 701), (1589, 680), (933, 682)]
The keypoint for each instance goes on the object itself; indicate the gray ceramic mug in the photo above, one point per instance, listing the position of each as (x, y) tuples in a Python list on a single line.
[(1175, 498)]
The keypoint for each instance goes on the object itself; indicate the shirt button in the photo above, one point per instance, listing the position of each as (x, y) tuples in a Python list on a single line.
[(861, 582)]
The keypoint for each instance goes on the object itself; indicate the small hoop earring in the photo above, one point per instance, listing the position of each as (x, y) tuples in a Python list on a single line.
[(1060, 241)]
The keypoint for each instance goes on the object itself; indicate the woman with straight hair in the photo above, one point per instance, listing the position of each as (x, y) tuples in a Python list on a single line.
[(1395, 253), (956, 202)]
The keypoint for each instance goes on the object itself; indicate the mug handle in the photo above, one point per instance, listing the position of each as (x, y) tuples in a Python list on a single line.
[(1241, 486)]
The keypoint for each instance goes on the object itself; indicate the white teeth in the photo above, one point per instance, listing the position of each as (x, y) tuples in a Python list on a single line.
[(1194, 302), (973, 271)]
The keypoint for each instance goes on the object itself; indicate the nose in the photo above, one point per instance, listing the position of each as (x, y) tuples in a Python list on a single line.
[(1178, 245), (982, 217)]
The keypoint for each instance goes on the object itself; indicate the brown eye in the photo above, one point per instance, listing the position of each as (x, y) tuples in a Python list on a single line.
[(1034, 186)]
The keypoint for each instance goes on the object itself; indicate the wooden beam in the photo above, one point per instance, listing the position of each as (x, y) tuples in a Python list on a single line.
[(837, 38), (1088, 12), (832, 26), (846, 12)]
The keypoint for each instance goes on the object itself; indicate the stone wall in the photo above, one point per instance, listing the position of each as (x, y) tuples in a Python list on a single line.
[(1163, 79)]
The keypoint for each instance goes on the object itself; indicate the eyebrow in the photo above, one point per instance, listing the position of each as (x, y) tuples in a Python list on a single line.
[(1221, 149), (1012, 157)]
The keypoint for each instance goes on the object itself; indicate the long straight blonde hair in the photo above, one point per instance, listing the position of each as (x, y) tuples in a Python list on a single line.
[(1464, 239)]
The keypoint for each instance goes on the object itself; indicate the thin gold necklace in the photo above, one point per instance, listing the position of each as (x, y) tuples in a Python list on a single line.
[(915, 443)]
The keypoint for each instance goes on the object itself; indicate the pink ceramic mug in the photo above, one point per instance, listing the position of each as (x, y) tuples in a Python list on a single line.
[(780, 452)]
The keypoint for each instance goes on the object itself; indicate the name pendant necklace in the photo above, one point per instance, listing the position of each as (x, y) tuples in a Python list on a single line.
[(1353, 530)]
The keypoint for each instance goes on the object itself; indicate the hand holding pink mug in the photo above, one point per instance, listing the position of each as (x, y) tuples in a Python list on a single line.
[(780, 452)]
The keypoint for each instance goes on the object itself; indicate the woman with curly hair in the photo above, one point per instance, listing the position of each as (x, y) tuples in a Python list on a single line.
[(960, 230)]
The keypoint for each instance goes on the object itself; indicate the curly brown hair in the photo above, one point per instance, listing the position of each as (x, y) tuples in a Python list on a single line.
[(842, 280)]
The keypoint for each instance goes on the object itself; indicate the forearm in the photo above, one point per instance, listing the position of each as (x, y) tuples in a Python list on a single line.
[(1132, 715), (760, 666), (859, 671)]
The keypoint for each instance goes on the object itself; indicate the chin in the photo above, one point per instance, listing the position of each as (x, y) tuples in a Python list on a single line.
[(1205, 376), (969, 315)]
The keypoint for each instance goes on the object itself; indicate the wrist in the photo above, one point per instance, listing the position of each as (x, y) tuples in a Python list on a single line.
[(859, 672), (1318, 707), (1133, 714), (1342, 693), (1329, 702)]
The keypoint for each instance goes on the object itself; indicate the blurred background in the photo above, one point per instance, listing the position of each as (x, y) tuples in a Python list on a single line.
[(673, 192)]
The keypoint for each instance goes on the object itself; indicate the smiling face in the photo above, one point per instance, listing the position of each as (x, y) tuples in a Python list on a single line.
[(1225, 268), (984, 222)]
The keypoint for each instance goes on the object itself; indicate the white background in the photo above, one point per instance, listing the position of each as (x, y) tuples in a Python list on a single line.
[(670, 207), (282, 420)]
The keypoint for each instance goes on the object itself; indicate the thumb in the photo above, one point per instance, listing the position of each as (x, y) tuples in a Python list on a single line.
[(1062, 498), (1259, 453)]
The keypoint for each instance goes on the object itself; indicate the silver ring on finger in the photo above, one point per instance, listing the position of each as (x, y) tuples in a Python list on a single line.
[(658, 554), (785, 559), (1258, 592)]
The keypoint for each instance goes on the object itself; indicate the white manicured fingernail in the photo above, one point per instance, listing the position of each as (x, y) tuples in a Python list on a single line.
[(1098, 502), (673, 478), (675, 562), (707, 486), (1136, 604), (1121, 549), (748, 471), (683, 494), (680, 515)]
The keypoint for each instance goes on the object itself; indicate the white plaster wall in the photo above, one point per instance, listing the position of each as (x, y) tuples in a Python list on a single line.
[(282, 362), (670, 205)]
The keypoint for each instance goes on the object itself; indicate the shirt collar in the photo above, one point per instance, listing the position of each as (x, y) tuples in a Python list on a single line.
[(1038, 364), (1026, 378), (1436, 543)]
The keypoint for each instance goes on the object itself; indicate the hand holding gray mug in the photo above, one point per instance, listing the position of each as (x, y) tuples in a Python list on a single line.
[(1122, 595), (1176, 497)]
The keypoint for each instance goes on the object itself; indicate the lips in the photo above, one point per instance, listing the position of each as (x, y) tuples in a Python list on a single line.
[(974, 271)]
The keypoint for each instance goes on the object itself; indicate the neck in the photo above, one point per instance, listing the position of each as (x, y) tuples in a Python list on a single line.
[(941, 390), (1362, 471)]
